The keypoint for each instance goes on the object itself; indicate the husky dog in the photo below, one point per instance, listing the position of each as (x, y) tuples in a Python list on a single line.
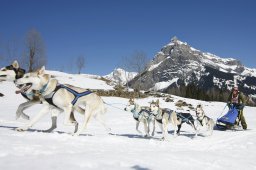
[(204, 120), (14, 72), (185, 117), (11, 72), (164, 117), (141, 114), (66, 98)]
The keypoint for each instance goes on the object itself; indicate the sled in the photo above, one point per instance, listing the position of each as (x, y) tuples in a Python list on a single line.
[(228, 120)]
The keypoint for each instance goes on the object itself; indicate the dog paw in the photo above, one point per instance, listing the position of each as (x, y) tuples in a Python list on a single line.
[(21, 129), (146, 136)]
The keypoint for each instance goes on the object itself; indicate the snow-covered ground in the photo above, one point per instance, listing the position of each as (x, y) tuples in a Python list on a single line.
[(124, 148), (81, 80)]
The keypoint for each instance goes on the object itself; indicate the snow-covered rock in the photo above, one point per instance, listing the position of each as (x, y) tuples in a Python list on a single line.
[(120, 76)]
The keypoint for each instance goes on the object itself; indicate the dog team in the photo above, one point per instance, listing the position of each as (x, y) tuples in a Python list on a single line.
[(39, 88), (165, 116)]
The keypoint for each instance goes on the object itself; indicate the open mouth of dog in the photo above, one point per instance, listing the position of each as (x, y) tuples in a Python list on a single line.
[(3, 75), (23, 88)]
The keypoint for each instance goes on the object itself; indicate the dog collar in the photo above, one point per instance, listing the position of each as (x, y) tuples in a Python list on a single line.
[(42, 90)]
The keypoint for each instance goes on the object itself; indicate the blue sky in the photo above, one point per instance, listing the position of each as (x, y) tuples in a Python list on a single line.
[(105, 31)]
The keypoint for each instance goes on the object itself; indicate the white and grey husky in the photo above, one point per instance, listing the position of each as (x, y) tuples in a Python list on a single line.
[(164, 117), (66, 98), (14, 72), (203, 120), (141, 114)]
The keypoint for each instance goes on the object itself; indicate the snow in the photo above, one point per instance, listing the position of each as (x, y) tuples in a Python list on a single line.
[(164, 84), (152, 67), (222, 70), (249, 72), (124, 149), (120, 76), (81, 80), (170, 44), (212, 56), (193, 49)]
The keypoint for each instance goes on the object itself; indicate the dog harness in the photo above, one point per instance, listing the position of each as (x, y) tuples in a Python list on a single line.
[(159, 116), (201, 120), (185, 117), (136, 115), (77, 95)]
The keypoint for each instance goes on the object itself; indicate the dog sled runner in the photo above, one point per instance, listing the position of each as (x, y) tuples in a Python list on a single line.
[(228, 120)]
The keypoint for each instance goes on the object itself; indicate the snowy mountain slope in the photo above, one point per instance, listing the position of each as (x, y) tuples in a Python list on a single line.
[(178, 60), (125, 148), (81, 80), (120, 76)]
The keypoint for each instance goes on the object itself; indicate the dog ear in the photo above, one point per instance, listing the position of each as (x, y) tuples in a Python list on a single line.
[(41, 71), (15, 64)]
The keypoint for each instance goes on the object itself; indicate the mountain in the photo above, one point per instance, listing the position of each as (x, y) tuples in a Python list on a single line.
[(120, 76), (180, 64)]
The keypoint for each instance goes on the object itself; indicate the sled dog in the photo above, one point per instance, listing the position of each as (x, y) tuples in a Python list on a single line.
[(185, 117), (141, 114), (164, 117), (14, 72), (204, 120), (66, 98)]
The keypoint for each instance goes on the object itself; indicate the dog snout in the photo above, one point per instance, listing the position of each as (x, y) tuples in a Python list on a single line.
[(125, 109)]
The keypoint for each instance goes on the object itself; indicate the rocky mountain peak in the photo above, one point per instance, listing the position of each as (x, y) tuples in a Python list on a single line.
[(180, 62), (120, 76)]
